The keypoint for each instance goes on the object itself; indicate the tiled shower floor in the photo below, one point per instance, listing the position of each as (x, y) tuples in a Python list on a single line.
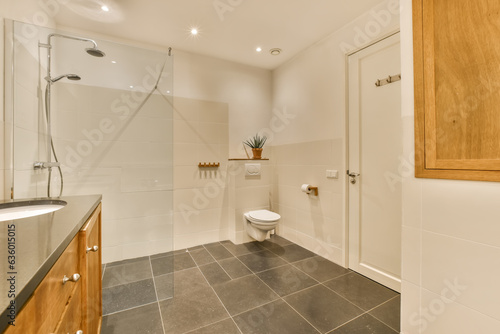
[(271, 287)]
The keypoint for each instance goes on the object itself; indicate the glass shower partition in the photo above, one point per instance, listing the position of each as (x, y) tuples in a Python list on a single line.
[(111, 123)]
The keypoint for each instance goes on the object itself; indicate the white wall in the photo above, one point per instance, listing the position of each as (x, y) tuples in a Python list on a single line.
[(247, 91), (200, 194), (451, 244), (310, 91), (209, 94), (247, 193), (28, 11)]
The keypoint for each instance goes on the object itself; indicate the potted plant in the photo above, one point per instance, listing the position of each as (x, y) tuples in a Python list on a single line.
[(256, 143)]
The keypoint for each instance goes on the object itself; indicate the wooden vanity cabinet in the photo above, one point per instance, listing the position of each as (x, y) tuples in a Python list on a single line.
[(76, 305), (91, 266)]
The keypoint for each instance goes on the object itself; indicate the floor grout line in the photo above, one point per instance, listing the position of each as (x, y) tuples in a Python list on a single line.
[(156, 294), (251, 272), (128, 309), (283, 299), (215, 292), (323, 284), (345, 323), (210, 324), (319, 283), (132, 282), (300, 315), (279, 297), (387, 301), (103, 270)]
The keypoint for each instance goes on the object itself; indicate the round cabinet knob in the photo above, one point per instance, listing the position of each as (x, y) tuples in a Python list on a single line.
[(93, 249), (73, 278), (79, 332)]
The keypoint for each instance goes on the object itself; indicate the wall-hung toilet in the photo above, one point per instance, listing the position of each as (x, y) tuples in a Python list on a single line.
[(259, 222)]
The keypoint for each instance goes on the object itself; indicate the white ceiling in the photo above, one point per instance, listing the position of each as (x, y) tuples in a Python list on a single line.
[(228, 29)]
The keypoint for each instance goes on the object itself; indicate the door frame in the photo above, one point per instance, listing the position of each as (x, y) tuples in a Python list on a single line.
[(346, 98)]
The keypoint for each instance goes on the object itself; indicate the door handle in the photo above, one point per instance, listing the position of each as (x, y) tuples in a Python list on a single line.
[(353, 176)]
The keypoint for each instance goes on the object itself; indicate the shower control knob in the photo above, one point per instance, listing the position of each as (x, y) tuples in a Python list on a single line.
[(93, 249)]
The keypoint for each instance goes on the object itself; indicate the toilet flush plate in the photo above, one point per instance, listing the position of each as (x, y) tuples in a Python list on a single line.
[(252, 169)]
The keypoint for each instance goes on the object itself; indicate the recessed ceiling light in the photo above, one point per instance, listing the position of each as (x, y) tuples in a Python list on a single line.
[(113, 62), (105, 8), (194, 31), (131, 86), (275, 51), (259, 49), (168, 92)]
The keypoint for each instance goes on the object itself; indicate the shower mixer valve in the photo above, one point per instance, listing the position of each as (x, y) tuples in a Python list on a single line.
[(45, 165)]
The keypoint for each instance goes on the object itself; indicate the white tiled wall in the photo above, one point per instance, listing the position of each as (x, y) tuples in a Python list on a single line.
[(451, 249), (247, 193), (315, 222), (28, 122), (310, 90), (201, 194), (126, 159)]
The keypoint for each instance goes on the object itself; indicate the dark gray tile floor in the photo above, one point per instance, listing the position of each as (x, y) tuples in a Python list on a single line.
[(271, 287)]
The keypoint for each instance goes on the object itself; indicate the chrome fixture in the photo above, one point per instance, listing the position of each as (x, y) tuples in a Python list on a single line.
[(390, 79), (93, 51), (73, 77), (353, 176), (45, 165), (73, 278), (92, 249)]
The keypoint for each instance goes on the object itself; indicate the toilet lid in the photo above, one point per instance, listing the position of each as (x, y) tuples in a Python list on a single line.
[(264, 215)]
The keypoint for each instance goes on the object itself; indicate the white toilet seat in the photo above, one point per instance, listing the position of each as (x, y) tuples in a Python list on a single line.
[(263, 216)]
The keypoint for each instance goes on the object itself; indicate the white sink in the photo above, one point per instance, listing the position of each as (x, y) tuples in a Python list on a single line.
[(29, 208)]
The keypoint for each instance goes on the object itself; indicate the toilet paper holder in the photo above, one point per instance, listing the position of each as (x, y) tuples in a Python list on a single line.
[(314, 190), (308, 189)]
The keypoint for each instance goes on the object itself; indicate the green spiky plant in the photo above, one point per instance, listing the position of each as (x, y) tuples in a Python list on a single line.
[(256, 142)]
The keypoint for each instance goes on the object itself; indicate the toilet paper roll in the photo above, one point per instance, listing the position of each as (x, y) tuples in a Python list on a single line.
[(306, 188)]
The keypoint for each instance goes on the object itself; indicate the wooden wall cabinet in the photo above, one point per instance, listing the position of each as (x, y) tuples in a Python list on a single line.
[(71, 307), (457, 89)]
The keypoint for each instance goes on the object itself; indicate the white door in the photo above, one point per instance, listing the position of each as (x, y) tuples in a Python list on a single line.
[(375, 148)]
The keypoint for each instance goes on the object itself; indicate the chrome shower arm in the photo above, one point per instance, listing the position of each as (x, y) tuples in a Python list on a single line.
[(82, 39)]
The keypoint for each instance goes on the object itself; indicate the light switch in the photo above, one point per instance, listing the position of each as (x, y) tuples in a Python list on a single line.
[(332, 174)]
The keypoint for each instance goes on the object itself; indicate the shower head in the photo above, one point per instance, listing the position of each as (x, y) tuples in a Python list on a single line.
[(95, 52), (67, 76)]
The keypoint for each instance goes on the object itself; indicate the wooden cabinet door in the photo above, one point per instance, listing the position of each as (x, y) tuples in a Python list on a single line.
[(71, 320), (92, 285), (43, 311), (457, 90)]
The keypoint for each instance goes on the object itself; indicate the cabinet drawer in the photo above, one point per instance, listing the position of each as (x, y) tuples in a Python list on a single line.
[(52, 294), (25, 320), (71, 321)]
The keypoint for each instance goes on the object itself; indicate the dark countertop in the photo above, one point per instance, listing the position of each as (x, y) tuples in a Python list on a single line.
[(39, 242)]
